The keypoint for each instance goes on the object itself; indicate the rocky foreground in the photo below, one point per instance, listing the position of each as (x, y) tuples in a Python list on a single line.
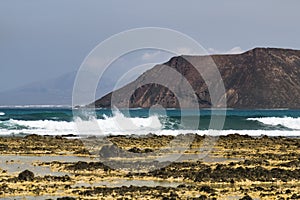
[(129, 167)]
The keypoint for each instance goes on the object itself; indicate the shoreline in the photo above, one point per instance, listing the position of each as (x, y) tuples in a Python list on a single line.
[(232, 132)]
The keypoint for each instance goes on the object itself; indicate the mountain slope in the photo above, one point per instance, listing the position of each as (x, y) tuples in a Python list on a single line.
[(259, 78)]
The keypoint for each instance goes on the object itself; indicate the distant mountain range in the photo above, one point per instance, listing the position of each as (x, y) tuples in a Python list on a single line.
[(263, 78), (56, 91)]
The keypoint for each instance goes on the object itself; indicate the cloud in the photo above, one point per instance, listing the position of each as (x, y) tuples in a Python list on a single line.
[(184, 51), (151, 56), (234, 50), (96, 62)]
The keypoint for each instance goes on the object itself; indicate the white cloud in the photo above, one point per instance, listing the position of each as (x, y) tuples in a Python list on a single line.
[(150, 56), (96, 62), (184, 51), (234, 50), (212, 51)]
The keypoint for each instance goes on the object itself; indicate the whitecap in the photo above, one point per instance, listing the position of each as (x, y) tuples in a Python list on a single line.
[(118, 124), (289, 122)]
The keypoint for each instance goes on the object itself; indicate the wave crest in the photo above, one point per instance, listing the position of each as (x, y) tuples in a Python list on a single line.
[(289, 122), (118, 124)]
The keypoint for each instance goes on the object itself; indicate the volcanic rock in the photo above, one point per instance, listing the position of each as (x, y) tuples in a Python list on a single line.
[(26, 176), (258, 78)]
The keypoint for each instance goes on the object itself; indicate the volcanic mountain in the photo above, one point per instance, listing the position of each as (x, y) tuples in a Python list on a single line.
[(263, 78)]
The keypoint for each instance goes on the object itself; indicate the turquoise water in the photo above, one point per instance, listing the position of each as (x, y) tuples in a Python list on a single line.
[(59, 121)]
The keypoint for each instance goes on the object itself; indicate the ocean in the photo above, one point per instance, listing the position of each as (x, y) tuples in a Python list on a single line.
[(59, 120)]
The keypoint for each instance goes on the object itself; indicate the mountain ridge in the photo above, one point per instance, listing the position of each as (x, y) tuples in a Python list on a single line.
[(264, 78)]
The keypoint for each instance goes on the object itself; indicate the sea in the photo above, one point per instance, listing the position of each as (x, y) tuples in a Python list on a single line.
[(63, 120)]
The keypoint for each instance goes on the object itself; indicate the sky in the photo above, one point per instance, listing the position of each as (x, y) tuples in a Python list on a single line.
[(44, 39)]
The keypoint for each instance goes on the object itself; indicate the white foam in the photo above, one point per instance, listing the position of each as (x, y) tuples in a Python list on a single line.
[(289, 122), (52, 129), (45, 124), (2, 113), (116, 125)]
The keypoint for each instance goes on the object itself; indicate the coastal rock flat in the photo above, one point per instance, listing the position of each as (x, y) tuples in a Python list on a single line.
[(259, 78), (237, 167)]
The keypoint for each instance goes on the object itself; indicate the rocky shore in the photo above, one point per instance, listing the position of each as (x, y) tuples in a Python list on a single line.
[(129, 167)]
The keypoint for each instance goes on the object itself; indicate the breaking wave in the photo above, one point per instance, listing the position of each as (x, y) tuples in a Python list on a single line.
[(139, 122), (289, 122), (117, 124)]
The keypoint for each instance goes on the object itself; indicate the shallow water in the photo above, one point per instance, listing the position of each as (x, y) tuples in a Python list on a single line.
[(238, 197), (43, 197), (16, 163), (127, 183)]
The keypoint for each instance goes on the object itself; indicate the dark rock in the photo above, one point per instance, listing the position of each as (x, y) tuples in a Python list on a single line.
[(138, 150), (26, 176), (173, 195), (258, 188), (3, 147), (129, 175), (207, 189), (181, 186), (109, 151), (66, 198), (147, 150), (34, 137), (295, 196), (58, 137), (247, 162), (70, 135), (293, 163), (246, 197), (81, 165), (64, 178), (135, 150), (288, 191), (82, 151), (202, 197)]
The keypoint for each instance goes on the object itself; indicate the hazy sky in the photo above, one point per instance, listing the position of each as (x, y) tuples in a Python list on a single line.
[(44, 39)]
